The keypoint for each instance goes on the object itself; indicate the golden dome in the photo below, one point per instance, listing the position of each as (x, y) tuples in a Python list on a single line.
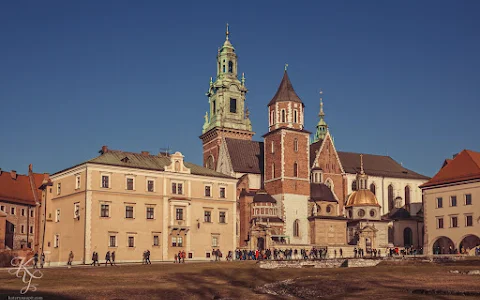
[(362, 198)]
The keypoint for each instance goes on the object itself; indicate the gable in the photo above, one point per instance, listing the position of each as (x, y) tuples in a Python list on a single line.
[(325, 156)]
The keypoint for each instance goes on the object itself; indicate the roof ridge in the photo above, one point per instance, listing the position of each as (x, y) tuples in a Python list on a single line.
[(473, 159)]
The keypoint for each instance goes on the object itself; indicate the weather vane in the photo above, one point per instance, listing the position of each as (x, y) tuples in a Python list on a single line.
[(286, 66)]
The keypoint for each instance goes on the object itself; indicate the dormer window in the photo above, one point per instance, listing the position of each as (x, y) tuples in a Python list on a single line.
[(125, 159)]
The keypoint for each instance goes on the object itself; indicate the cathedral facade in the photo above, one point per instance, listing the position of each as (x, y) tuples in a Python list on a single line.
[(296, 190)]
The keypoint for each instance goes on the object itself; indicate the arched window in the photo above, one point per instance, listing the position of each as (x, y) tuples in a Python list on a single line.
[(273, 147), (354, 185), (407, 196), (372, 188), (272, 117), (295, 145), (273, 170), (295, 169), (391, 203), (283, 116), (223, 66), (295, 116), (177, 166), (296, 228), (230, 67)]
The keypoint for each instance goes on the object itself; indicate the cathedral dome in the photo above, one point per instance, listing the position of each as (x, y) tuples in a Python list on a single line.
[(362, 198)]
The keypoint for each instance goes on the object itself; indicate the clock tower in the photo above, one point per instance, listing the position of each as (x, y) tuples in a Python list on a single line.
[(227, 115)]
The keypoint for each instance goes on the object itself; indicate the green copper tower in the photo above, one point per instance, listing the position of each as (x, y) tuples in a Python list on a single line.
[(322, 126)]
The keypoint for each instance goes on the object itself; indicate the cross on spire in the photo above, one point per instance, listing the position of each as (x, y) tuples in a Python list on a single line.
[(361, 164), (321, 114), (286, 66), (227, 32)]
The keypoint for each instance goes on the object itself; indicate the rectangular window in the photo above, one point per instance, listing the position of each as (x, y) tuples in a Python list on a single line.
[(468, 199), (468, 220), (440, 223), (57, 216), (23, 212), (59, 188), (150, 185), (207, 254), (76, 210), (77, 182), (56, 241), (32, 213), (222, 218), (454, 222), (174, 241), (233, 105), (22, 229), (179, 241), (150, 214), (453, 201), (207, 216), (179, 214), (31, 229), (156, 240), (439, 202), (208, 192), (105, 211), (131, 241), (222, 192), (12, 210), (2, 208), (129, 212), (113, 241), (177, 188), (130, 184), (105, 181), (214, 241)]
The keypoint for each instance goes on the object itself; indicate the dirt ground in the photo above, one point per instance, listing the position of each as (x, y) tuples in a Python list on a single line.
[(245, 280)]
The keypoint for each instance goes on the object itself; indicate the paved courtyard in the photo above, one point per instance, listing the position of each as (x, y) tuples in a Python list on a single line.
[(245, 280)]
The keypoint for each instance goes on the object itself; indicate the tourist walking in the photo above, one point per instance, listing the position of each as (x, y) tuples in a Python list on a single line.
[(35, 260), (147, 257), (183, 256), (108, 259), (42, 260), (93, 258), (113, 258), (70, 258)]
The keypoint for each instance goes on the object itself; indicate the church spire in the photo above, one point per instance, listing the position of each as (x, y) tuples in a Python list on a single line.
[(322, 126), (227, 33), (362, 177)]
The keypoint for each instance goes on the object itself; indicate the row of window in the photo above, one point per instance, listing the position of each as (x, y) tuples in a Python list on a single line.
[(295, 170), (295, 146), (177, 187), (150, 213), (283, 117), (13, 211), (11, 229), (467, 200), (454, 221)]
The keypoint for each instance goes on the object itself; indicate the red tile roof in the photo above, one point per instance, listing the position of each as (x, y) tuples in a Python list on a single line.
[(246, 156), (285, 92), (465, 166), (19, 189)]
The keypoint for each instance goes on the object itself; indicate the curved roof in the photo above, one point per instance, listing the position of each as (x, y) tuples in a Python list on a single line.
[(362, 198), (263, 197), (285, 92), (321, 192)]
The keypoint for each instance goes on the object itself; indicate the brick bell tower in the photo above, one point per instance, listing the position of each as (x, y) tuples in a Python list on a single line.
[(228, 116), (286, 168)]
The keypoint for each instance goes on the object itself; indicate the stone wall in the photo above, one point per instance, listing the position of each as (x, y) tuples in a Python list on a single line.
[(326, 263)]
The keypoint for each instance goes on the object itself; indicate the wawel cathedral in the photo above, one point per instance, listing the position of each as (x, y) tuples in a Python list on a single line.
[(294, 190)]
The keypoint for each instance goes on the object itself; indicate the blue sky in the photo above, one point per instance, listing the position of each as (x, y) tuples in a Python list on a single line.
[(399, 78)]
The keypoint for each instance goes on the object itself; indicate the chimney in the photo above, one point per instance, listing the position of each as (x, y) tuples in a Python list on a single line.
[(145, 153), (104, 149), (13, 173)]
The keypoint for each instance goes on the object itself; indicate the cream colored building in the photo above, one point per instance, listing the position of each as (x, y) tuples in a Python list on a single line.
[(132, 202), (452, 206)]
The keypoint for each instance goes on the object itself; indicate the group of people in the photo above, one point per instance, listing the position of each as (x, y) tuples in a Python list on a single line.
[(180, 257), (36, 258), (281, 254)]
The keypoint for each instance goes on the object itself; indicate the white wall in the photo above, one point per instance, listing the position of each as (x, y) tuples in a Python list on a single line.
[(295, 207)]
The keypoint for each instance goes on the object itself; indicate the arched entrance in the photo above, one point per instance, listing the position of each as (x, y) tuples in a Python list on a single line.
[(443, 245), (390, 235), (469, 242), (407, 237), (260, 243)]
